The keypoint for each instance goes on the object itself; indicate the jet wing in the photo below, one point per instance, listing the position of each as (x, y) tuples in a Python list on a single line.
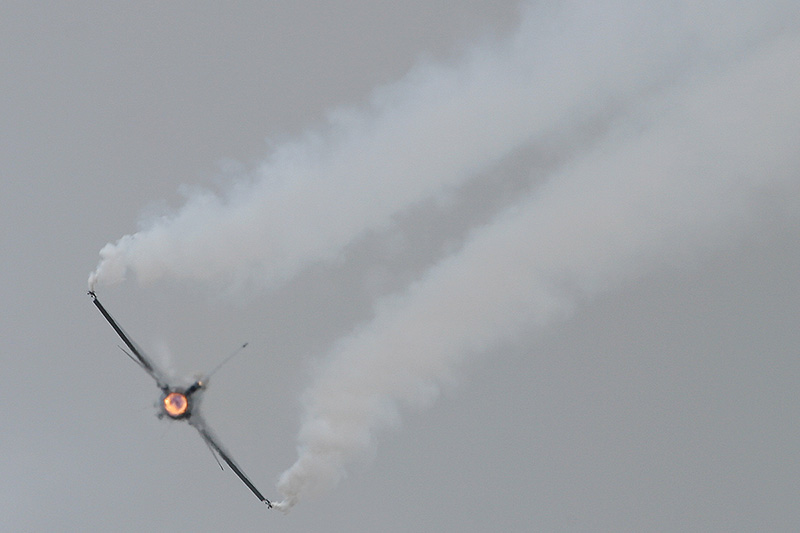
[(197, 422), (138, 356)]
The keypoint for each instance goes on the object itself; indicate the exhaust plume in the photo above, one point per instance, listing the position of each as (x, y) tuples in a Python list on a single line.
[(699, 102)]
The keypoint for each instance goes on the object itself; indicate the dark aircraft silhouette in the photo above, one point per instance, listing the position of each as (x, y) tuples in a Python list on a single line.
[(179, 403)]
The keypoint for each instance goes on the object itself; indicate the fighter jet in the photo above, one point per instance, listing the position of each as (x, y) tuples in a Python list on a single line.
[(179, 403)]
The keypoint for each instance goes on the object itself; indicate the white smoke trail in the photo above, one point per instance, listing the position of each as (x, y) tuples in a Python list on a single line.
[(703, 97), (679, 174), (419, 137)]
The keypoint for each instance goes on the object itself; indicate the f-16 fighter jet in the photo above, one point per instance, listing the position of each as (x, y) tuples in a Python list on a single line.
[(179, 403)]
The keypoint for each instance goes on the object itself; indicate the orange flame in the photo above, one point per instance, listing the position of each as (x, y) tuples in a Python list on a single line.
[(176, 404)]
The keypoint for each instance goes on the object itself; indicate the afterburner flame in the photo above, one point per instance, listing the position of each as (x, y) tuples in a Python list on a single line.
[(176, 404)]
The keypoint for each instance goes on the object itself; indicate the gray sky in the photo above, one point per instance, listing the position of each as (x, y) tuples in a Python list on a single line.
[(518, 268)]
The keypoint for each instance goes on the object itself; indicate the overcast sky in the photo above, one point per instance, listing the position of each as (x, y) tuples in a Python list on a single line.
[(501, 265)]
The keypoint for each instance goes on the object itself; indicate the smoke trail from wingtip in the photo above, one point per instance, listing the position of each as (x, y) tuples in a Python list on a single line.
[(679, 174), (424, 135)]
